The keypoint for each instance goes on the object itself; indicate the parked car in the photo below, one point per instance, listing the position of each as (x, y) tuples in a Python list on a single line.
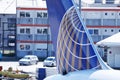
[(28, 60), (49, 61)]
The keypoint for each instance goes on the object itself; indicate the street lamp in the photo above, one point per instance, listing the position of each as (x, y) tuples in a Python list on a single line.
[(80, 6)]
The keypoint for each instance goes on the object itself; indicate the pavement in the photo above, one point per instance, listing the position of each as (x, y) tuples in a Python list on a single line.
[(30, 69)]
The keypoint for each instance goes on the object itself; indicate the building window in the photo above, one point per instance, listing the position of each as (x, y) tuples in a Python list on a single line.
[(11, 23), (22, 14), (39, 14), (22, 47), (11, 36), (109, 22), (27, 47), (28, 30), (11, 20), (45, 31), (105, 30), (118, 22), (44, 15), (27, 14), (22, 30), (112, 13), (90, 31), (93, 22), (11, 44), (105, 13), (0, 22), (30, 21), (95, 31), (112, 30), (29, 36), (39, 31), (0, 39)]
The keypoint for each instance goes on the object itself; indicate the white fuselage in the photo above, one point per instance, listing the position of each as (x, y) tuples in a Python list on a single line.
[(88, 75)]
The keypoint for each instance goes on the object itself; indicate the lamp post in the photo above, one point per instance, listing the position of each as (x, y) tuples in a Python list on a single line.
[(47, 41), (80, 6)]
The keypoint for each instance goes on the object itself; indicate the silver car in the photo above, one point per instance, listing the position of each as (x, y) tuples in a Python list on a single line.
[(28, 60), (49, 61)]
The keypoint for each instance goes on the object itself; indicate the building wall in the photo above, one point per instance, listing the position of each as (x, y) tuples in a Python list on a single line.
[(33, 32), (7, 33), (101, 22), (32, 26)]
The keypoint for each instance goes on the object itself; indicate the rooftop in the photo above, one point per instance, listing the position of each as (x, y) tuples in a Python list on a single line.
[(9, 6), (31, 3)]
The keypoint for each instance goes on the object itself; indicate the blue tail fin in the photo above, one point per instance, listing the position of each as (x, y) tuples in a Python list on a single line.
[(74, 48)]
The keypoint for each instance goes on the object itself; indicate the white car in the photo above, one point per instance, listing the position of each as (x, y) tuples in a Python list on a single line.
[(28, 60), (49, 61)]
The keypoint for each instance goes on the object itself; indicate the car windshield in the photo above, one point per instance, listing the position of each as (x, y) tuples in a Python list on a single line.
[(50, 59), (26, 58)]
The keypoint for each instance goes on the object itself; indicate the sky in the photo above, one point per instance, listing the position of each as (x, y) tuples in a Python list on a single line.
[(9, 6), (5, 6)]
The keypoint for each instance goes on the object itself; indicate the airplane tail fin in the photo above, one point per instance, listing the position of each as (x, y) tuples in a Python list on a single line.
[(74, 47)]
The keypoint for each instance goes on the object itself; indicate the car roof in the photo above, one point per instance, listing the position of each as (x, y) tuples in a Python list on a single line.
[(51, 57)]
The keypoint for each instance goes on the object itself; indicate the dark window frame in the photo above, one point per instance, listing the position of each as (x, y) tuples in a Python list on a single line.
[(22, 14)]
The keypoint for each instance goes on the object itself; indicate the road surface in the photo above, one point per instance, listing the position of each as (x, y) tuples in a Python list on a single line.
[(31, 69)]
